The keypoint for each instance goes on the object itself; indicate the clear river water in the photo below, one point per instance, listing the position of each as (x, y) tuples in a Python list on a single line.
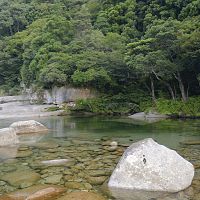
[(85, 142)]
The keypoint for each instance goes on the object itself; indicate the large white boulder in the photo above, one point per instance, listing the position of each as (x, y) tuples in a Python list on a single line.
[(147, 165), (31, 126), (8, 137)]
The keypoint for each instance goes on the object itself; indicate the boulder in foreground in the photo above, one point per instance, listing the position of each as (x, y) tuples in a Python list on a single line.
[(31, 126), (149, 166)]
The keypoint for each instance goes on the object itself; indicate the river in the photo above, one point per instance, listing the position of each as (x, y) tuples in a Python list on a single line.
[(85, 142)]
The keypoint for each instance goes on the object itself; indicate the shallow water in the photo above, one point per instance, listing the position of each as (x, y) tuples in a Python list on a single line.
[(84, 142)]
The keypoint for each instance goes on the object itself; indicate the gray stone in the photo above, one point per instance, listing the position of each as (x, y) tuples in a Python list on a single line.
[(57, 162), (31, 126), (146, 165), (148, 117)]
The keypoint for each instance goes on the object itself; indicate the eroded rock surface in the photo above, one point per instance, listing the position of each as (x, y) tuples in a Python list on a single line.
[(148, 166)]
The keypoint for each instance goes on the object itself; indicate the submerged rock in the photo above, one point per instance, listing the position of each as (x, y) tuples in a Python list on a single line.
[(148, 166), (8, 137), (21, 178), (195, 142), (82, 196), (54, 179), (37, 192), (31, 126), (56, 162), (124, 194)]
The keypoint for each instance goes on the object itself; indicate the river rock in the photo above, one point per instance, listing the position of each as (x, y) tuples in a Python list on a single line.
[(21, 178), (8, 137), (74, 185), (148, 117), (82, 196), (96, 180), (22, 154), (37, 192), (31, 126), (54, 179), (56, 162), (148, 166)]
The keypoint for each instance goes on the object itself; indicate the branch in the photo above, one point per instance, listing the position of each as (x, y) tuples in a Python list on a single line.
[(156, 75)]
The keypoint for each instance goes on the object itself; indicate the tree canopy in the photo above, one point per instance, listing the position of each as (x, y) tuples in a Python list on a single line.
[(113, 46)]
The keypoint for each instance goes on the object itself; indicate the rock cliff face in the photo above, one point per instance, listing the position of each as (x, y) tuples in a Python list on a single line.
[(148, 166), (56, 95), (59, 95)]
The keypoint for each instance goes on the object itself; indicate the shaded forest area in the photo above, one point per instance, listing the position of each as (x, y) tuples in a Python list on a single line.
[(135, 49)]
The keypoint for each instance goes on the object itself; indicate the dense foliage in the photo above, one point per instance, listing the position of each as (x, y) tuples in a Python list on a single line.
[(190, 108), (110, 45), (115, 105)]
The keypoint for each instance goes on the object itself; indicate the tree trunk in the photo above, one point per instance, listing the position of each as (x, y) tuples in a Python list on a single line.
[(181, 86), (17, 26), (11, 32), (152, 90), (188, 91), (175, 92), (166, 84), (198, 82), (170, 90)]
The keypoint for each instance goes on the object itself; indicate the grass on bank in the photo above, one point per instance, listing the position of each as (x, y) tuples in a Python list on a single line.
[(122, 105), (178, 107)]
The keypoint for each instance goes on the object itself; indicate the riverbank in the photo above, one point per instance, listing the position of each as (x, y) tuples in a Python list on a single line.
[(23, 110), (118, 105)]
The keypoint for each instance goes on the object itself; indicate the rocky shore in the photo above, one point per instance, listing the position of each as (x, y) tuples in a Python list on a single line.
[(26, 110)]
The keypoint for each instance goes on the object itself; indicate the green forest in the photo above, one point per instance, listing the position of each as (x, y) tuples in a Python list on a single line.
[(139, 53)]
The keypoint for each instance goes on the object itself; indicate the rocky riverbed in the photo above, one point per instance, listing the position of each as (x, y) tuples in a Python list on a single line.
[(55, 168)]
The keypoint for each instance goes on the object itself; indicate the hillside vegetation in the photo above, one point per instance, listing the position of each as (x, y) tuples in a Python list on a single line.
[(146, 49)]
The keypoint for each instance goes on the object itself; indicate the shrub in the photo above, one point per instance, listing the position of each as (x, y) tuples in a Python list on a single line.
[(178, 107), (106, 105)]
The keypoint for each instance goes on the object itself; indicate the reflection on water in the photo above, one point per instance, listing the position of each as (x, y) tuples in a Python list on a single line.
[(123, 194), (167, 132)]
